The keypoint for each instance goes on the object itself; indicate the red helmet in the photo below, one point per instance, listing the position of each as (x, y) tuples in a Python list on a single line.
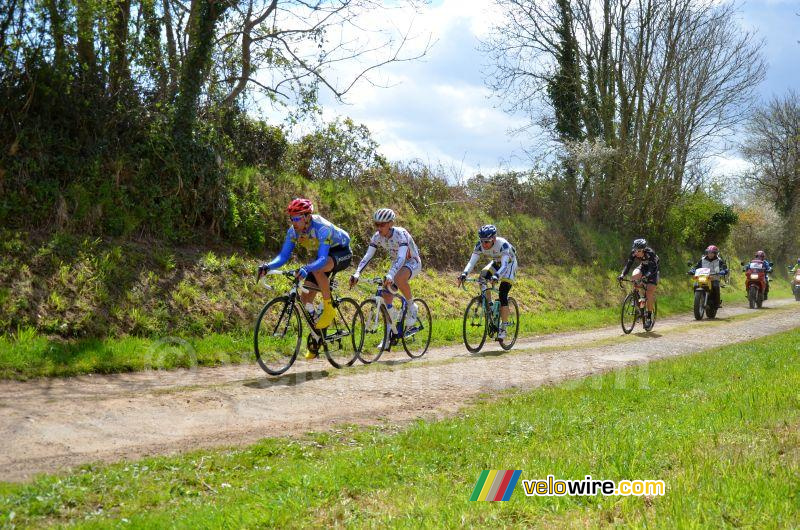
[(760, 254), (712, 248), (300, 206)]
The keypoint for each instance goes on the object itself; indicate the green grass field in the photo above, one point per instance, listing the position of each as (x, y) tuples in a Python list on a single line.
[(721, 428), (28, 354)]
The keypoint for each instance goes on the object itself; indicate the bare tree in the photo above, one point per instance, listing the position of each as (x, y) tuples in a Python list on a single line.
[(287, 48), (772, 146), (661, 82)]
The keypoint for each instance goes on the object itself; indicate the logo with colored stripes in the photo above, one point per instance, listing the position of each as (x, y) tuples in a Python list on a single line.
[(495, 485)]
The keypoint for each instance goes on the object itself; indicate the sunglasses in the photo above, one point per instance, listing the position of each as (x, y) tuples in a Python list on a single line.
[(378, 225), (486, 240), (297, 219)]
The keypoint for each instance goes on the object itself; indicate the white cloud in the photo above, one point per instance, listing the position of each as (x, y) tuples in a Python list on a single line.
[(729, 165)]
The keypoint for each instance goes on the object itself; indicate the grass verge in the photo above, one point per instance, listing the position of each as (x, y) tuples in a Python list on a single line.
[(721, 428), (28, 354)]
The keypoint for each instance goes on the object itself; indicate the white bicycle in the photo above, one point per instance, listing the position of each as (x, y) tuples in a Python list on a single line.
[(385, 326)]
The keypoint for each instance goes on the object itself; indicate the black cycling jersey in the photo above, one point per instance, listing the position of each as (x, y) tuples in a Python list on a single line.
[(648, 263)]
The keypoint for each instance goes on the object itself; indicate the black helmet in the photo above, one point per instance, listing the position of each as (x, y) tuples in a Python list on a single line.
[(639, 244)]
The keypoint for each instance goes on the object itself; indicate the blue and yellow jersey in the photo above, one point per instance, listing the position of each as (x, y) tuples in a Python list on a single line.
[(321, 236)]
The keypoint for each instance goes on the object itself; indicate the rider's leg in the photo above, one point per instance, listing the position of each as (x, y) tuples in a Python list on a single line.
[(401, 280), (486, 273), (311, 294), (651, 297), (716, 293), (505, 287), (636, 277), (324, 283)]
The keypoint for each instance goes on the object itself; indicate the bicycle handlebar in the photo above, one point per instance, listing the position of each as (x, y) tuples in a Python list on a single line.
[(292, 275), (378, 280), (479, 281)]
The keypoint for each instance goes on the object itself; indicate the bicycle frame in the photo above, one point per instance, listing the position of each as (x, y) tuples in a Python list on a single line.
[(637, 287), (381, 303), (292, 294), (494, 321)]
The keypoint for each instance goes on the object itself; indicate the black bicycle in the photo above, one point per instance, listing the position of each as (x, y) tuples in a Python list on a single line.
[(482, 318), (634, 307), (279, 330)]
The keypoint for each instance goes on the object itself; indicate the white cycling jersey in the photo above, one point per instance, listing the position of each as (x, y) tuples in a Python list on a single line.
[(502, 254), (401, 248)]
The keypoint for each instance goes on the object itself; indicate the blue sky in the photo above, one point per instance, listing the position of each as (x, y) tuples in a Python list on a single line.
[(439, 110)]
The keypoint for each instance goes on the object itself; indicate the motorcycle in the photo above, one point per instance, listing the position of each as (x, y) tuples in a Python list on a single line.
[(703, 294), (796, 283), (755, 282)]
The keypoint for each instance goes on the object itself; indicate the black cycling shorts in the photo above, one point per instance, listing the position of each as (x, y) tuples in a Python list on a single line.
[(342, 258)]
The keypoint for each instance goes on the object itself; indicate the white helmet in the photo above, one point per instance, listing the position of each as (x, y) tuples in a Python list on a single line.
[(383, 215)]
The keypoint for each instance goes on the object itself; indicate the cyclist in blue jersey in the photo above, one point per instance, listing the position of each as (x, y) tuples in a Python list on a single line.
[(331, 244)]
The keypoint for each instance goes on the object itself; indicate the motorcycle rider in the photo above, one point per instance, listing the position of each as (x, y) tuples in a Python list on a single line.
[(761, 255), (712, 260)]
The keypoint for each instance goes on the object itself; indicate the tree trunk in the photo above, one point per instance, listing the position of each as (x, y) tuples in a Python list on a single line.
[(204, 18), (172, 54), (119, 70), (86, 55), (55, 11)]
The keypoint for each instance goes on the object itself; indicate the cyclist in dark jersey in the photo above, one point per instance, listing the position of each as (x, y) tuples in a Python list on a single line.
[(646, 271)]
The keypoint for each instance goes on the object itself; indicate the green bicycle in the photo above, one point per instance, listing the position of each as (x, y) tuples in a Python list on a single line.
[(482, 318)]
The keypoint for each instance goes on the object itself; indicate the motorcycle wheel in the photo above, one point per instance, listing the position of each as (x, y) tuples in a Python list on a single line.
[(752, 294), (699, 304), (759, 299), (797, 295)]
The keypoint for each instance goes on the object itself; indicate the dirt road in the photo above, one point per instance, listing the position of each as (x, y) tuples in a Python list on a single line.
[(49, 425)]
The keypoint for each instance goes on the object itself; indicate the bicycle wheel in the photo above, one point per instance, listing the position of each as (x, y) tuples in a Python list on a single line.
[(277, 336), (345, 336), (376, 331), (630, 313), (512, 329), (417, 335), (475, 325)]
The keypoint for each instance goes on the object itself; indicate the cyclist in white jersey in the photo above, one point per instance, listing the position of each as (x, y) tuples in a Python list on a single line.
[(406, 262), (503, 267)]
